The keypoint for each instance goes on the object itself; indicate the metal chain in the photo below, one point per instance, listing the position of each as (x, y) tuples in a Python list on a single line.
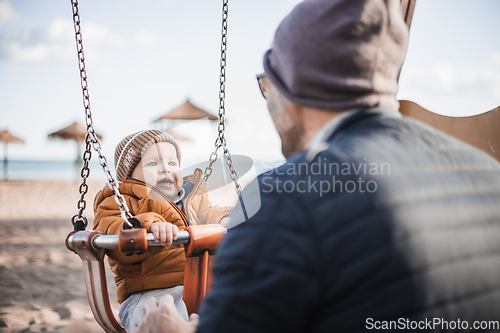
[(221, 140), (91, 139)]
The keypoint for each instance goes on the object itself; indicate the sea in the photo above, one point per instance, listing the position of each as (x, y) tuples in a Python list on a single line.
[(48, 170), (69, 170)]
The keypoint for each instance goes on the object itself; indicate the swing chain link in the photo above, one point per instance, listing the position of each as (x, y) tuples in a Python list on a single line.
[(220, 142), (79, 221)]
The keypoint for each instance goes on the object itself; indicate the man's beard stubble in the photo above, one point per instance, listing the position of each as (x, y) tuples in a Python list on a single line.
[(291, 141), (289, 130)]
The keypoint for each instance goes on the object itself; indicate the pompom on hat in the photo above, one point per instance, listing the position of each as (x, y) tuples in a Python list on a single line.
[(339, 54), (129, 151)]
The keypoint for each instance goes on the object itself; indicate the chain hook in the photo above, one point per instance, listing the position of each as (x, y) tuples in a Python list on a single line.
[(79, 222)]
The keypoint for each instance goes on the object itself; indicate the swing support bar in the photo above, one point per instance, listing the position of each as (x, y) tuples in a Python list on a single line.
[(108, 242)]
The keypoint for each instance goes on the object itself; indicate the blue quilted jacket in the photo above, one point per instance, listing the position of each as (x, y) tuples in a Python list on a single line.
[(393, 226)]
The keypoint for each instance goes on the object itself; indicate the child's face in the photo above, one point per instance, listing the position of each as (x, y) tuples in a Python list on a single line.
[(159, 167)]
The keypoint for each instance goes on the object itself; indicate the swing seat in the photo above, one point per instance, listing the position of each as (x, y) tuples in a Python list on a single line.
[(82, 242), (201, 245)]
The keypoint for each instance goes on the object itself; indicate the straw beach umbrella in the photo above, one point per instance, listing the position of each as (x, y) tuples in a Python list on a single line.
[(187, 111), (6, 137), (75, 132)]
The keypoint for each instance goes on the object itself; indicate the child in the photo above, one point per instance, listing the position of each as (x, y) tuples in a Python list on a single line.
[(148, 166)]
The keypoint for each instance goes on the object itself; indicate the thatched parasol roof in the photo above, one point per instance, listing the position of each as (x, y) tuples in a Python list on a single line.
[(74, 132), (187, 111), (7, 137)]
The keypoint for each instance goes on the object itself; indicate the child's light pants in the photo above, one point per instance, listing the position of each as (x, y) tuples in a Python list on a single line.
[(132, 306)]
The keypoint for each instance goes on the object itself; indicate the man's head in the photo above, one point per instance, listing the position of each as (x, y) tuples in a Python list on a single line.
[(151, 156), (334, 55), (339, 54)]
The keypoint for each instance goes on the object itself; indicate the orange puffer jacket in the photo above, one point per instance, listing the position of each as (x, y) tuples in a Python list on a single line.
[(158, 267)]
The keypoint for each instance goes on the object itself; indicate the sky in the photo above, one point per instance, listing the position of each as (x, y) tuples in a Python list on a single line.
[(145, 58)]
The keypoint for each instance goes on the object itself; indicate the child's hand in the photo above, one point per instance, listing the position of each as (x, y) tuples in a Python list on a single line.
[(165, 232)]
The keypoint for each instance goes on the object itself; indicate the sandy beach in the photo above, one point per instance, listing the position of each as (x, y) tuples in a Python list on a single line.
[(41, 283)]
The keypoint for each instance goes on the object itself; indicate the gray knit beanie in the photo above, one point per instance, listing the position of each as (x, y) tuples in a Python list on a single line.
[(339, 54), (129, 151)]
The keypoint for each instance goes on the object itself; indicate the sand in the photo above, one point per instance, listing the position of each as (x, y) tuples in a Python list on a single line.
[(41, 283)]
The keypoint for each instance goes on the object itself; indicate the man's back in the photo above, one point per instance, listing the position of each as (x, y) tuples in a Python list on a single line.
[(393, 222)]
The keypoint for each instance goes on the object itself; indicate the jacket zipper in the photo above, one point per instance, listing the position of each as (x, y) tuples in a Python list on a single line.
[(195, 188), (186, 223)]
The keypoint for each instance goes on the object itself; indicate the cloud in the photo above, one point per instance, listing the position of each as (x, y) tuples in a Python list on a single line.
[(56, 42), (62, 31), (94, 33), (7, 13), (52, 43), (145, 39), (59, 31), (479, 79), (32, 51), (494, 59)]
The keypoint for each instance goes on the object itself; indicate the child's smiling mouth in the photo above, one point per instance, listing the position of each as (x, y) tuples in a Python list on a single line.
[(166, 182)]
